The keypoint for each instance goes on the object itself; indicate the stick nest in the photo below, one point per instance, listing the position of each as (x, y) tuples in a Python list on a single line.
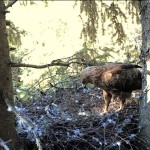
[(73, 119)]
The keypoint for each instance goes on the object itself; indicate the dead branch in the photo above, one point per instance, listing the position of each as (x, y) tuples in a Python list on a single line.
[(38, 66), (28, 122), (10, 4), (3, 144), (53, 63)]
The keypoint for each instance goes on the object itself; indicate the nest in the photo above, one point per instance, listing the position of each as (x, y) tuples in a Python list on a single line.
[(73, 119)]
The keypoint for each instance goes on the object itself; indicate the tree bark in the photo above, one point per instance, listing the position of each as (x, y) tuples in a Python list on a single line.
[(145, 57), (7, 119)]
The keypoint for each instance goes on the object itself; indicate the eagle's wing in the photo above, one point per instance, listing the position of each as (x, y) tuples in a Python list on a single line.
[(122, 77)]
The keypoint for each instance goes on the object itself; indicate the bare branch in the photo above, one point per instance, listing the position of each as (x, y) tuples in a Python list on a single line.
[(57, 62), (3, 144), (12, 48), (38, 66), (28, 122), (11, 2)]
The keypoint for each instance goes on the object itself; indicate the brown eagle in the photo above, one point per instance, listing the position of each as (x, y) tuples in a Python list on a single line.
[(117, 80)]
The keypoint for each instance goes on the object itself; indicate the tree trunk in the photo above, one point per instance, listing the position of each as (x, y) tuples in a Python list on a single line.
[(7, 119), (145, 57)]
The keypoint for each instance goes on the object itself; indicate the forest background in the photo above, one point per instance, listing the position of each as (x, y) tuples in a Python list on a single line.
[(49, 35)]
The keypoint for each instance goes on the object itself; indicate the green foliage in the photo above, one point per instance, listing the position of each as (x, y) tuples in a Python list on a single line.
[(14, 35), (14, 39), (89, 31), (92, 56), (31, 2), (61, 30), (104, 11), (113, 12), (132, 7)]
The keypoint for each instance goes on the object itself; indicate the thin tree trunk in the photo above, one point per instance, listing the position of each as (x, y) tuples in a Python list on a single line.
[(145, 56), (7, 119)]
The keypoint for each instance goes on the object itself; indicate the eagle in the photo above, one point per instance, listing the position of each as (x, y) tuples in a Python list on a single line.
[(117, 80)]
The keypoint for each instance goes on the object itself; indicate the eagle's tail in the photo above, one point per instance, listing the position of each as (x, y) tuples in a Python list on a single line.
[(137, 66), (130, 66)]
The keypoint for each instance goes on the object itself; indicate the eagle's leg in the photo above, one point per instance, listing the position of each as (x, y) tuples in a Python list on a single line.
[(107, 98), (122, 101)]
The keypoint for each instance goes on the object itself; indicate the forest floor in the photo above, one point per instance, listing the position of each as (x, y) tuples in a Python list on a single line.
[(74, 119)]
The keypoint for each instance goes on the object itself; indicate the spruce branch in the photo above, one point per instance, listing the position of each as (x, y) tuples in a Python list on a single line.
[(10, 4)]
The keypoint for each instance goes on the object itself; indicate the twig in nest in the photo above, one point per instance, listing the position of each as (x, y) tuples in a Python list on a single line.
[(28, 122), (3, 144)]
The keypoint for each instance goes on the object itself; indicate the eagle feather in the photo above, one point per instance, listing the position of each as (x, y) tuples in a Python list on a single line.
[(117, 80)]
